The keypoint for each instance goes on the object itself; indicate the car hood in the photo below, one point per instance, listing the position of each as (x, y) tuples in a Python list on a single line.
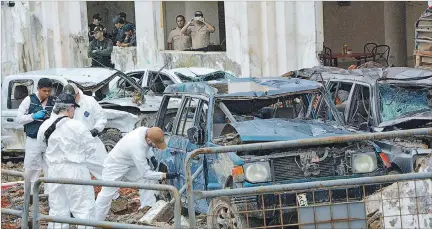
[(423, 117), (151, 104), (261, 130)]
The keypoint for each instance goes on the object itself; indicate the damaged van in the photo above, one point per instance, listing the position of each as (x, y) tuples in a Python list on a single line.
[(250, 110)]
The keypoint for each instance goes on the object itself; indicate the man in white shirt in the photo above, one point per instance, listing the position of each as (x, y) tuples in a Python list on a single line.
[(66, 143), (128, 161)]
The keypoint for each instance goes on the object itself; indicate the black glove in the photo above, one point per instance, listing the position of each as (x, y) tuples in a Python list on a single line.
[(171, 175), (154, 162), (94, 132)]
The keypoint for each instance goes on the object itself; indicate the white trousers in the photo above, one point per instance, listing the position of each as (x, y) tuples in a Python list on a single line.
[(95, 161), (34, 163), (105, 196), (65, 198)]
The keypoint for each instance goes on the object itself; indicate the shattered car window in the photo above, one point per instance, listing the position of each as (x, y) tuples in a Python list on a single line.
[(219, 75), (397, 102)]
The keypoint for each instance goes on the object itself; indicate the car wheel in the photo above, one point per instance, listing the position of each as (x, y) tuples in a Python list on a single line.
[(221, 215), (110, 138)]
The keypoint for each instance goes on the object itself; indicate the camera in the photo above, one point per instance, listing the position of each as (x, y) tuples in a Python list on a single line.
[(10, 3)]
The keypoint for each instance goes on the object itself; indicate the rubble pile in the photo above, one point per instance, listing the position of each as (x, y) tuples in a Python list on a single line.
[(403, 204)]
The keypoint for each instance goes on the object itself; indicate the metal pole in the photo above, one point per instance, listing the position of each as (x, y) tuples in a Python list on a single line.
[(36, 186), (89, 222), (12, 173), (312, 185), (26, 211), (287, 144), (8, 211), (120, 184)]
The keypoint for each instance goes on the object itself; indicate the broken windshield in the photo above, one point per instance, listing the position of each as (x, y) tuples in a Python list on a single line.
[(398, 102), (218, 75), (285, 107)]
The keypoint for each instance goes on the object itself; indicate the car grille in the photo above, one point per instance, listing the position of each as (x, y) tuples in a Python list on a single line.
[(286, 168)]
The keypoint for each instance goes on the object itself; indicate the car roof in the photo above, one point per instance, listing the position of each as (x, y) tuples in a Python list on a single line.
[(395, 75), (83, 76), (245, 87)]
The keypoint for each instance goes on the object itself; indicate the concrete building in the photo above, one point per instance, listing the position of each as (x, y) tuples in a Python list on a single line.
[(259, 38)]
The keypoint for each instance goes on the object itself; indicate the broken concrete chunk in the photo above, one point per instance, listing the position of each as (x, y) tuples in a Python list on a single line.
[(157, 209), (119, 205)]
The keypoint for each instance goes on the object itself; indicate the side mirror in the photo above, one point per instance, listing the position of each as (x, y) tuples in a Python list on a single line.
[(196, 135), (364, 126)]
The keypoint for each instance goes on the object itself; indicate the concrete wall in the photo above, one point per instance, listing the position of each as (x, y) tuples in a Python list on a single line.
[(263, 38), (354, 25), (363, 22), (38, 35), (187, 9), (109, 9)]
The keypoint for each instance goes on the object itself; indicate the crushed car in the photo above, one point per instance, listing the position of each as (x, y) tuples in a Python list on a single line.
[(382, 99), (250, 110), (125, 103)]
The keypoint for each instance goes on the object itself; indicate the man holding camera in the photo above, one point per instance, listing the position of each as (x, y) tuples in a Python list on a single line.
[(199, 30)]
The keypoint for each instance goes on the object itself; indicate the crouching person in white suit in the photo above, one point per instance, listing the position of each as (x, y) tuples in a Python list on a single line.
[(127, 161), (66, 143)]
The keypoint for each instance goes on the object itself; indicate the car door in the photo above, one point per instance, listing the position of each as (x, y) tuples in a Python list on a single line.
[(13, 93)]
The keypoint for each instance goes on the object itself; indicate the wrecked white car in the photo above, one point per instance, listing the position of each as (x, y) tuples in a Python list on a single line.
[(126, 104)]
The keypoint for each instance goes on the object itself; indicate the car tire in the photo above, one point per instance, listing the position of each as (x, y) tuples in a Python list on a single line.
[(110, 138), (218, 218)]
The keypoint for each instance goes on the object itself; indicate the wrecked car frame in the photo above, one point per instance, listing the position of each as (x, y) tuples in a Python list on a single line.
[(382, 99), (249, 110)]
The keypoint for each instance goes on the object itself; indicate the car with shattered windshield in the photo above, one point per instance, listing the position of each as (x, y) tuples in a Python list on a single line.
[(383, 99), (250, 110)]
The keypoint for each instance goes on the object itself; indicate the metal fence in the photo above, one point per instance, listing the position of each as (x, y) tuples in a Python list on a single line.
[(24, 213), (259, 205), (37, 217)]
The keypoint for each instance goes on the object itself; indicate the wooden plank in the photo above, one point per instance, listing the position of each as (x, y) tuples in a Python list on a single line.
[(423, 53)]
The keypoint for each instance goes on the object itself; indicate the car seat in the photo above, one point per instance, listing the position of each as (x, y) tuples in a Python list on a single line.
[(20, 93)]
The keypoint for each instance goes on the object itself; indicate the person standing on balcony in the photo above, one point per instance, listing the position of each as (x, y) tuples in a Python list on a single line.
[(100, 49), (130, 38), (199, 30), (118, 33), (96, 22), (178, 40)]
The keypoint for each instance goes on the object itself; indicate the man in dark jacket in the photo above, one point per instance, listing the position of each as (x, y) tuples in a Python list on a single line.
[(96, 21), (118, 33), (130, 38), (100, 49)]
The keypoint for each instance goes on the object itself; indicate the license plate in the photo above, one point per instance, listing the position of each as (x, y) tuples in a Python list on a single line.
[(302, 201)]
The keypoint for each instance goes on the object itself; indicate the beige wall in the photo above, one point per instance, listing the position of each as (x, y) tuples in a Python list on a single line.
[(363, 22), (109, 9), (354, 25), (187, 9)]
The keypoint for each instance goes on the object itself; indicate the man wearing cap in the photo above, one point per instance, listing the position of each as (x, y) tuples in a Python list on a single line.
[(130, 38), (100, 49), (96, 21), (122, 15), (128, 161), (118, 33), (91, 114), (32, 112), (176, 39), (65, 143), (199, 30)]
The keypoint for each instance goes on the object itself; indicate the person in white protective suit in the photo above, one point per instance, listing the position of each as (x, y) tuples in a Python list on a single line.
[(127, 161), (32, 112), (92, 115), (66, 142)]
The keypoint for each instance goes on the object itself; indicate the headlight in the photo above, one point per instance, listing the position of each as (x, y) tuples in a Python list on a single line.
[(364, 162), (257, 172)]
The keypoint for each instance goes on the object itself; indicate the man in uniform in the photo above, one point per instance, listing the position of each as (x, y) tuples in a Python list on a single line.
[(122, 15), (32, 112), (176, 39), (100, 49), (130, 38), (200, 31), (96, 21), (118, 33)]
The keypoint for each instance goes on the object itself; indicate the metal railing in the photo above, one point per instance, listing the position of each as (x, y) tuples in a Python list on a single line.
[(283, 144), (37, 217), (24, 214)]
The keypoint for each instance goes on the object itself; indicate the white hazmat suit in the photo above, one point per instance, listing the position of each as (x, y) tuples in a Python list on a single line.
[(91, 114), (65, 155), (127, 161), (33, 160)]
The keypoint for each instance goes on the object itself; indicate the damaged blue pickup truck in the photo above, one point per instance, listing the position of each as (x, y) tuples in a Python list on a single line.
[(249, 110)]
